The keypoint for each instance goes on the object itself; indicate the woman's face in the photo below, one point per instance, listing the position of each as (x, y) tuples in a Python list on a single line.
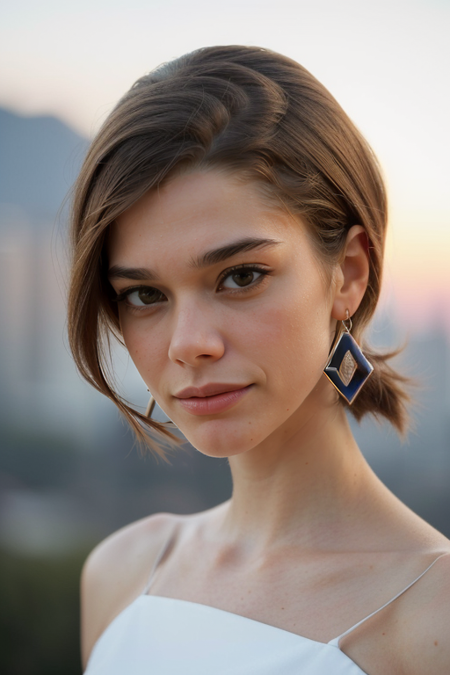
[(224, 309)]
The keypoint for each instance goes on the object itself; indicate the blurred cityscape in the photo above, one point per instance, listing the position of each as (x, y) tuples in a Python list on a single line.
[(69, 471)]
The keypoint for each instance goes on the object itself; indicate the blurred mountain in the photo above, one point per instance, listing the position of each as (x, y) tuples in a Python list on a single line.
[(39, 160)]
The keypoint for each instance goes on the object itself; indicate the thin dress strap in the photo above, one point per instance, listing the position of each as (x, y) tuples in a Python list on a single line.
[(335, 641), (165, 549)]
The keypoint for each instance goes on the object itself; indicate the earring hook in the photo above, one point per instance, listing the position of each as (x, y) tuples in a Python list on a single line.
[(348, 320)]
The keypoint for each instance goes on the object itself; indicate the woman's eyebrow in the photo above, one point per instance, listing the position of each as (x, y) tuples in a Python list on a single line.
[(204, 260), (135, 273), (220, 254)]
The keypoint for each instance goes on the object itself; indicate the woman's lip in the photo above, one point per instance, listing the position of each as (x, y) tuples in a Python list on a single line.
[(210, 389), (212, 405)]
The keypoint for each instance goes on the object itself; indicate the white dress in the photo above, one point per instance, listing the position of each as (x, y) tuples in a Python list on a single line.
[(156, 635)]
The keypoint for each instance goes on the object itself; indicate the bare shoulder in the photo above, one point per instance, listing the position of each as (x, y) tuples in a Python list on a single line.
[(426, 622), (116, 572)]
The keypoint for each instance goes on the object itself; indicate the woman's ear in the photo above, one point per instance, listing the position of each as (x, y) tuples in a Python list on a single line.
[(353, 274)]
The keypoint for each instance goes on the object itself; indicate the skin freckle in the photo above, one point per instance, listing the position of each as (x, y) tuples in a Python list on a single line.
[(436, 643)]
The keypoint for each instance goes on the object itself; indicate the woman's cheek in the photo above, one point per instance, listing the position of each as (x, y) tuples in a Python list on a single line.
[(295, 341)]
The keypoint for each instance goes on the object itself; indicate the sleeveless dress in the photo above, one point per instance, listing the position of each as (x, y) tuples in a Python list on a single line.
[(157, 635)]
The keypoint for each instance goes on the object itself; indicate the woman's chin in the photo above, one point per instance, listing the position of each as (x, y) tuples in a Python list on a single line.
[(216, 439)]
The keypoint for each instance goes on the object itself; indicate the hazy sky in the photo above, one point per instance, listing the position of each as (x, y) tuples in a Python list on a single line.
[(387, 62)]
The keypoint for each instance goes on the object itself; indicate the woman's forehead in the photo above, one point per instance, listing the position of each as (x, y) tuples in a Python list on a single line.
[(198, 211)]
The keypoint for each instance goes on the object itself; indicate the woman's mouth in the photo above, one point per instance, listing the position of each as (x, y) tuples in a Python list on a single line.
[(213, 404)]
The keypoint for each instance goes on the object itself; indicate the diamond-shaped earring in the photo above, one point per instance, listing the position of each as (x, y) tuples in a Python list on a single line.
[(347, 367)]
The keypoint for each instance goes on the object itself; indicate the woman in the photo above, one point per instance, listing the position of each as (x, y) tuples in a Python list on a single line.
[(229, 225)]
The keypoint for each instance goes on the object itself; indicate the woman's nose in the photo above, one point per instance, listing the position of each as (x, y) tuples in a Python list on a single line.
[(194, 339)]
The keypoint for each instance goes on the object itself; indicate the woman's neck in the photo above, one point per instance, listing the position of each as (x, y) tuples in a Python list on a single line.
[(303, 484)]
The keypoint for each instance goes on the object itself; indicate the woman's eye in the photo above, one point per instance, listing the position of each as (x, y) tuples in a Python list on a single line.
[(141, 297), (241, 278)]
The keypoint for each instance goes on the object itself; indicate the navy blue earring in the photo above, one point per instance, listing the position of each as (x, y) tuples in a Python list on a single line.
[(347, 367)]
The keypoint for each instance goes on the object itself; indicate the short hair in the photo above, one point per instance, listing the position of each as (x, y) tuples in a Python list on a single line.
[(253, 112)]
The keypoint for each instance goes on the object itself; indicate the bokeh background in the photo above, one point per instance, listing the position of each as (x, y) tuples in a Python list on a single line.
[(69, 474)]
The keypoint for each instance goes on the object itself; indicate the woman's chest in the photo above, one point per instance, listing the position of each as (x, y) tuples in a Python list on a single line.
[(314, 603)]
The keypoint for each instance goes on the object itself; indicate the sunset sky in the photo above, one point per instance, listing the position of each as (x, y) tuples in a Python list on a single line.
[(387, 63)]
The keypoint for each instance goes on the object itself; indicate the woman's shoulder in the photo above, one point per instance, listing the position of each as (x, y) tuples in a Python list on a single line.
[(127, 547), (117, 570), (425, 621)]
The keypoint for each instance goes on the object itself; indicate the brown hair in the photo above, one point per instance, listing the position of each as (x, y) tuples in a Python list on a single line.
[(254, 112)]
